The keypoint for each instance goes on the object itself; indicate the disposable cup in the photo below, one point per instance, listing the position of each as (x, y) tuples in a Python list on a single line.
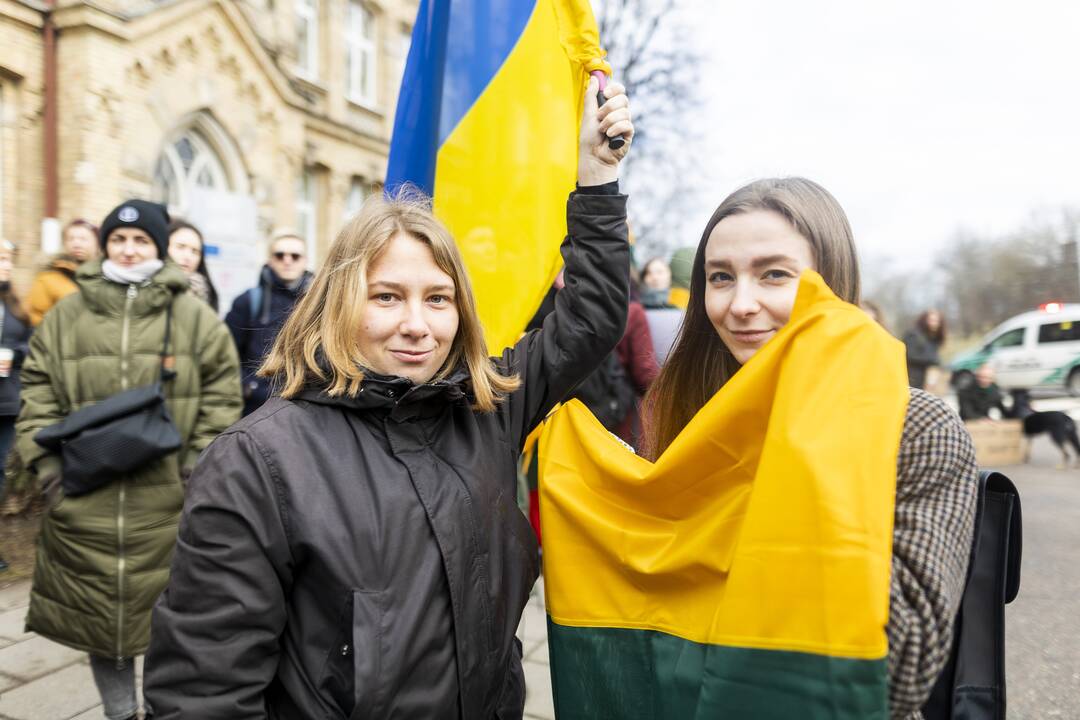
[(6, 356)]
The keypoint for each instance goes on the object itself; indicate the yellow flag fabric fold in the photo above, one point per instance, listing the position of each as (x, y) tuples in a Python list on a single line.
[(764, 529)]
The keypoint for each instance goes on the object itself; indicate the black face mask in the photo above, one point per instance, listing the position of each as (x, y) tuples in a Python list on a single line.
[(5, 285)]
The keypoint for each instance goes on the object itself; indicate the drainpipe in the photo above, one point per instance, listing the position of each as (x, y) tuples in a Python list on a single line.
[(50, 224)]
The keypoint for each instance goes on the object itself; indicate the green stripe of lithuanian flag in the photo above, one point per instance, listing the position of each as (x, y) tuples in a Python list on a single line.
[(745, 574)]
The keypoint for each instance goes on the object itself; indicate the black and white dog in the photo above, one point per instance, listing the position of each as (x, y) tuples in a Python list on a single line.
[(1060, 427)]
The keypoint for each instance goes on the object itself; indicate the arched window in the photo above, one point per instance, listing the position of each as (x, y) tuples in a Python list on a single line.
[(188, 161), (201, 155)]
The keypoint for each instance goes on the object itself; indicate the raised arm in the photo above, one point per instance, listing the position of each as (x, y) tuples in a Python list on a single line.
[(214, 639), (590, 310)]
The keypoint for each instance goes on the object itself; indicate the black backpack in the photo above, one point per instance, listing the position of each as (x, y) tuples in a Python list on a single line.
[(607, 392), (972, 685)]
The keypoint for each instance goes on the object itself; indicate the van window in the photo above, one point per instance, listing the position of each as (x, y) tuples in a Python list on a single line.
[(1012, 338), (1065, 331)]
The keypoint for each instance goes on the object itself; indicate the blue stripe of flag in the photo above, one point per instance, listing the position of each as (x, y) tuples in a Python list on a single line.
[(416, 125), (457, 48)]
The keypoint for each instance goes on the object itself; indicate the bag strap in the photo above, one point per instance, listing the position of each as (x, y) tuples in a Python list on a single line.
[(168, 362), (1002, 490)]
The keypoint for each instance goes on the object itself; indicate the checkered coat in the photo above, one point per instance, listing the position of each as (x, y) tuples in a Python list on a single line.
[(936, 489)]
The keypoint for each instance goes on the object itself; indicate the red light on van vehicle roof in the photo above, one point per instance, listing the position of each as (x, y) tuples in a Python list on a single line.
[(1052, 307)]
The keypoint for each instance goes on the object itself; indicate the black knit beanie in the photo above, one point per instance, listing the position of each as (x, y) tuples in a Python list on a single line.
[(150, 217)]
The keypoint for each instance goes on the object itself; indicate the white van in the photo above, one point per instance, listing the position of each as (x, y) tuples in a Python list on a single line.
[(1038, 349)]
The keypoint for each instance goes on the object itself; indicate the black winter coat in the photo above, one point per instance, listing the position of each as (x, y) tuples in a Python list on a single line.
[(15, 335), (365, 557), (254, 329), (922, 353), (976, 401)]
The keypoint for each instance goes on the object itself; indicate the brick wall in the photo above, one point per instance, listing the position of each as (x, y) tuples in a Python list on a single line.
[(127, 84)]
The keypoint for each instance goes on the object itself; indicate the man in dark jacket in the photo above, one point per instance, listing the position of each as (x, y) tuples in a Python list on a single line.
[(257, 315), (982, 398)]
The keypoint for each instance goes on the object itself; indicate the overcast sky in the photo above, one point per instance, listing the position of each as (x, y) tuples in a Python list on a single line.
[(921, 117)]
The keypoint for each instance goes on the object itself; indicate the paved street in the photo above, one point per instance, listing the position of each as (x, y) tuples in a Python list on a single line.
[(40, 680), (1043, 623)]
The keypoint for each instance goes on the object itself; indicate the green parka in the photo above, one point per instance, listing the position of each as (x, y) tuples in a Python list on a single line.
[(103, 558)]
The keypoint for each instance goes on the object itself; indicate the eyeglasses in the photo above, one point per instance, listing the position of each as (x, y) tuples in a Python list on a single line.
[(294, 256)]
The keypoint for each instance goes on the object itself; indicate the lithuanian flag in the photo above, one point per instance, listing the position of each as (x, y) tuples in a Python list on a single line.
[(487, 124), (745, 574)]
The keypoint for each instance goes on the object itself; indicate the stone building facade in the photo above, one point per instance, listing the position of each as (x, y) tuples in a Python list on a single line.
[(244, 115)]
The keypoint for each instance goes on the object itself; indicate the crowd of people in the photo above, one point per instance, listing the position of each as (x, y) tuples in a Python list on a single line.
[(355, 539), (93, 323)]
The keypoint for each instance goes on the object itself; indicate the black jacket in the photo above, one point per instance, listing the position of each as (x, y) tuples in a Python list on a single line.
[(976, 401), (365, 558), (15, 335), (922, 352), (254, 329)]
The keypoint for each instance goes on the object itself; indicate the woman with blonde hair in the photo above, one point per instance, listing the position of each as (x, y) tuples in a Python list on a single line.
[(744, 279), (354, 548)]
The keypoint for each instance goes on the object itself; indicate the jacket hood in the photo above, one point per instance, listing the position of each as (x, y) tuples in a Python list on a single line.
[(400, 396), (65, 264), (108, 298)]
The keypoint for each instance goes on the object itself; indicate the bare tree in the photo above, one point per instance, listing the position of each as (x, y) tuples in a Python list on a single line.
[(987, 280), (979, 281), (653, 53), (899, 298)]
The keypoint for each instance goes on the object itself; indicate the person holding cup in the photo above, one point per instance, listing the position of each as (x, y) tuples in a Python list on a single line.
[(14, 334)]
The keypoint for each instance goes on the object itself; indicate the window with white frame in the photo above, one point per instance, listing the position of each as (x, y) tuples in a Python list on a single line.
[(307, 37), (359, 191), (307, 210), (360, 40), (188, 161)]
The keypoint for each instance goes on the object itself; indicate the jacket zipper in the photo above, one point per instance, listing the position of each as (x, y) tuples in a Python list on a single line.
[(132, 291), (121, 563), (121, 558)]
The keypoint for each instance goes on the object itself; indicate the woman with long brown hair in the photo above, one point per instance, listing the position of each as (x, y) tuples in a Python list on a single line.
[(923, 343), (353, 548), (188, 250), (743, 285)]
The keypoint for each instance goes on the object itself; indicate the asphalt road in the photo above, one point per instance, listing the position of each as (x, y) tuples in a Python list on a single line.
[(1043, 623)]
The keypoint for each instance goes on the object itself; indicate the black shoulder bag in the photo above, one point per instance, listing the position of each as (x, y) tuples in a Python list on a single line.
[(972, 685), (120, 434)]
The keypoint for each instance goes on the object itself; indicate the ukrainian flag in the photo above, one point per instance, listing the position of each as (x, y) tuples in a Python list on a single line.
[(487, 123), (746, 573)]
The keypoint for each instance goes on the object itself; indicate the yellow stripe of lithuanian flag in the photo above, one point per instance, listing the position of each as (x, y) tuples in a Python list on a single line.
[(745, 574)]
